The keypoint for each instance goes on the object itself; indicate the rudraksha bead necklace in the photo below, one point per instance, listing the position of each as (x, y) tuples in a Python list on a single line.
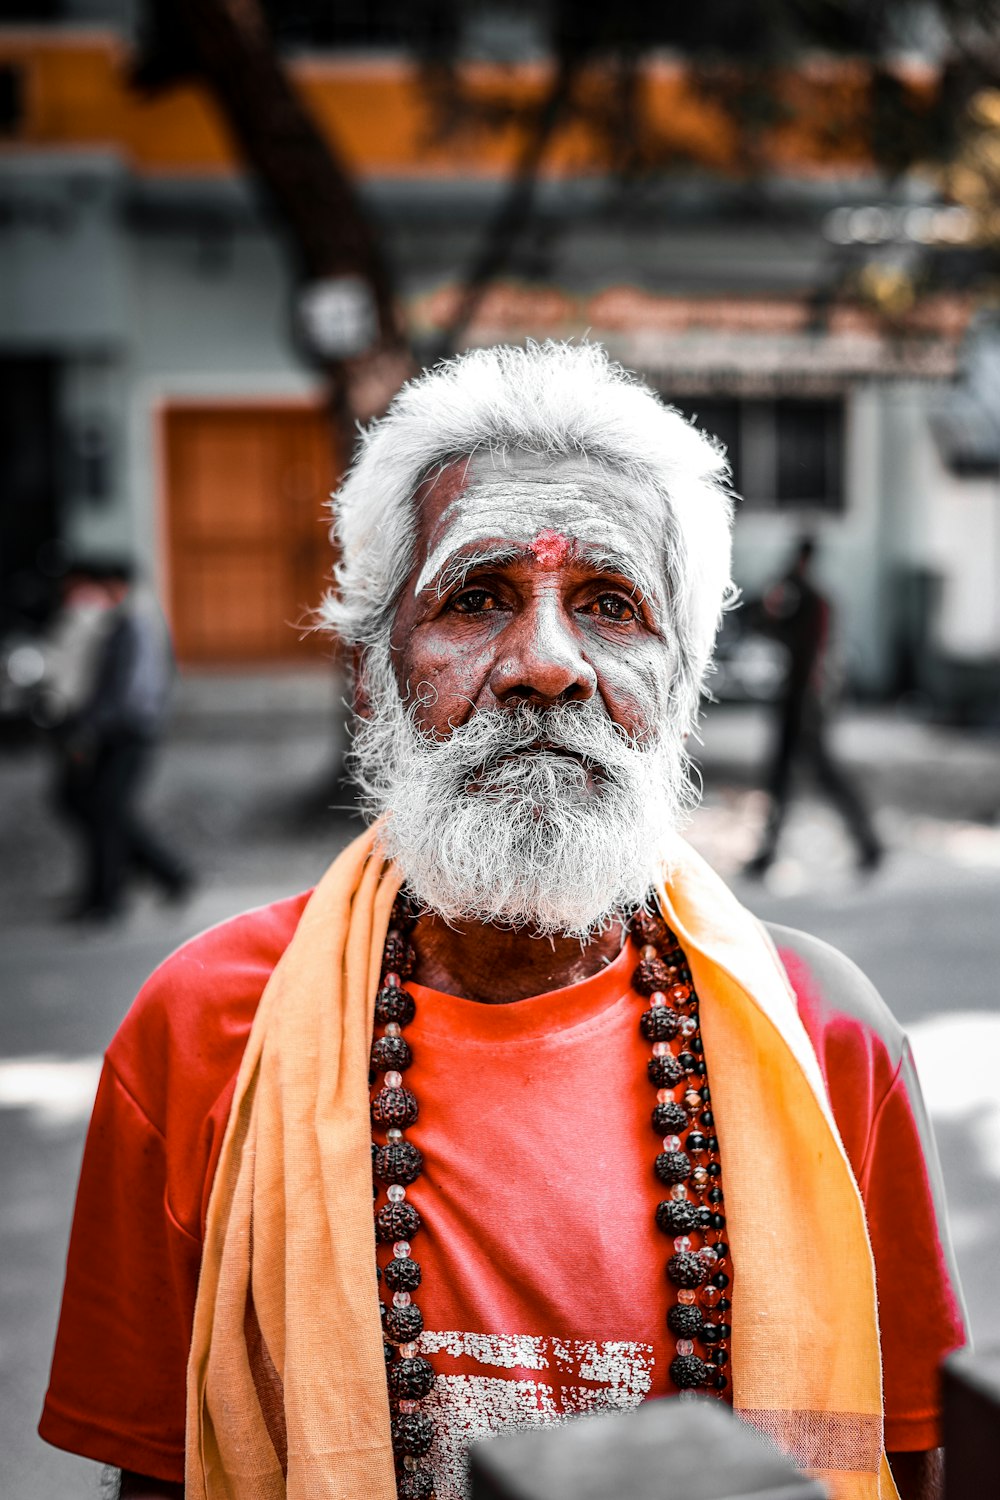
[(691, 1215)]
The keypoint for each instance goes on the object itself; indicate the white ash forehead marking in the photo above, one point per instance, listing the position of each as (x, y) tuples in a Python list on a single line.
[(590, 511)]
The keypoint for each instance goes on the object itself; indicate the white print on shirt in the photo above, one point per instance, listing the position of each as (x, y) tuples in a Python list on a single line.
[(584, 1377)]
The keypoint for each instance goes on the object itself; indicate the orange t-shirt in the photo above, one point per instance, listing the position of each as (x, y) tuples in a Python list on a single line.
[(544, 1288), (544, 1283)]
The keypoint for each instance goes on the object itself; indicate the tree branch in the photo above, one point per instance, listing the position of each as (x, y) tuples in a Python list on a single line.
[(516, 208)]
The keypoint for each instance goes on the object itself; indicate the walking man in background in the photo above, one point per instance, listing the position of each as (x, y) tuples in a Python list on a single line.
[(108, 738), (795, 613)]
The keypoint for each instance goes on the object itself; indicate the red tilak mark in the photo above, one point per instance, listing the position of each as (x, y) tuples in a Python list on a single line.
[(551, 548)]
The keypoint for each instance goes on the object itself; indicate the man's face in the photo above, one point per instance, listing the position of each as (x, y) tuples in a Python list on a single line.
[(519, 740), (534, 582)]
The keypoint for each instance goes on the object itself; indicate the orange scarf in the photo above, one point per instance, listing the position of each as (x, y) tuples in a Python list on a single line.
[(286, 1379)]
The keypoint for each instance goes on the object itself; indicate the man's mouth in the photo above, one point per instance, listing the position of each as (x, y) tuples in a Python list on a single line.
[(591, 768), (548, 747)]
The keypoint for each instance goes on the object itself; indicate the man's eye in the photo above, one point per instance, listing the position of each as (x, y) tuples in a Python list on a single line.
[(474, 602), (614, 607)]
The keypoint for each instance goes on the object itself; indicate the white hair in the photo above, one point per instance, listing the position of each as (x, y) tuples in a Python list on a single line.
[(555, 400)]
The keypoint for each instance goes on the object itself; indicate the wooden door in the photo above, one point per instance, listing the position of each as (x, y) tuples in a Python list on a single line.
[(247, 530)]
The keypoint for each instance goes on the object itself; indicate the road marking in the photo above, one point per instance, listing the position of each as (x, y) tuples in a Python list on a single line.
[(56, 1090)]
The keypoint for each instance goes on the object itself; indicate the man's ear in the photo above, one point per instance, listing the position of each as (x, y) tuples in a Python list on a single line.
[(360, 701)]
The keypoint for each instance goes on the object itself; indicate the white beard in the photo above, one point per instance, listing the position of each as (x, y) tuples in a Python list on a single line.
[(488, 827)]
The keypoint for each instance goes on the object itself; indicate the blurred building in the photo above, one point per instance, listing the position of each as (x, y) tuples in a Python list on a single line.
[(153, 395)]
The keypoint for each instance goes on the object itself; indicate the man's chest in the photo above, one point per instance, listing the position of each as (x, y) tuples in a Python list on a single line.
[(543, 1289)]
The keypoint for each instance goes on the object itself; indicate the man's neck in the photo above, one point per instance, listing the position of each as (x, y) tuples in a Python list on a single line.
[(495, 965)]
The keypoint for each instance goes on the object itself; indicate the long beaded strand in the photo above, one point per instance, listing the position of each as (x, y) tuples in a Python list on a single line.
[(688, 1167), (397, 1165)]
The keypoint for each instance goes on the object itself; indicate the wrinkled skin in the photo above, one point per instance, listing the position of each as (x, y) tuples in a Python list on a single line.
[(540, 616)]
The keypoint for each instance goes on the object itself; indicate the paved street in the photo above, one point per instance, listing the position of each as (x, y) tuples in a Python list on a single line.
[(247, 797)]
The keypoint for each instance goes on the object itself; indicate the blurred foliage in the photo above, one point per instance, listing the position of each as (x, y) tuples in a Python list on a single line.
[(920, 87), (890, 289), (738, 55), (972, 177)]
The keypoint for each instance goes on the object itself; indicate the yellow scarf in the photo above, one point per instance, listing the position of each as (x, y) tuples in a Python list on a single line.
[(286, 1378)]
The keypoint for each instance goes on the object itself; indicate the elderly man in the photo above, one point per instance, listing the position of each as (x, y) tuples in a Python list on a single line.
[(625, 1142)]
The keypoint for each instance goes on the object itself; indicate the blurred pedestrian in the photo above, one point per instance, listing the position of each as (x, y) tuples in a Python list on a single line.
[(795, 613), (112, 669), (71, 646)]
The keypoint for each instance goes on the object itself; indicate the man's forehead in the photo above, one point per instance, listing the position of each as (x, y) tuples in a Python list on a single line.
[(544, 505), (561, 482)]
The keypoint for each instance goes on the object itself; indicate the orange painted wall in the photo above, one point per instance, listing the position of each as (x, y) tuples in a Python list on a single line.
[(77, 94)]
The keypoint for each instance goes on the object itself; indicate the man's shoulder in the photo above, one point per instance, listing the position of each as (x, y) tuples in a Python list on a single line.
[(188, 1026), (858, 1042), (251, 938), (829, 985)]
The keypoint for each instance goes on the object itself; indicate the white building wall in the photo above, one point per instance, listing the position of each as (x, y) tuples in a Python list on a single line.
[(94, 394), (62, 252), (904, 511), (936, 521), (963, 546), (849, 563), (907, 480)]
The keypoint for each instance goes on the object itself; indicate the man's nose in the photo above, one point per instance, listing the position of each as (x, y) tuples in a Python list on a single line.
[(542, 659)]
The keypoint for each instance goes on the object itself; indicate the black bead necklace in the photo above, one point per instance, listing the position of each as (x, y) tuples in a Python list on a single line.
[(397, 1164), (692, 1215)]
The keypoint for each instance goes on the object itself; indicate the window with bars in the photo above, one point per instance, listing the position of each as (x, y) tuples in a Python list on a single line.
[(787, 453)]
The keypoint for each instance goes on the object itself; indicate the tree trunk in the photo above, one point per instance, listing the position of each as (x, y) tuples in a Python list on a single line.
[(309, 185), (516, 208)]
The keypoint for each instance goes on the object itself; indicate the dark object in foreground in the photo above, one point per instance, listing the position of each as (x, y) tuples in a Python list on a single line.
[(663, 1450), (970, 1400)]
